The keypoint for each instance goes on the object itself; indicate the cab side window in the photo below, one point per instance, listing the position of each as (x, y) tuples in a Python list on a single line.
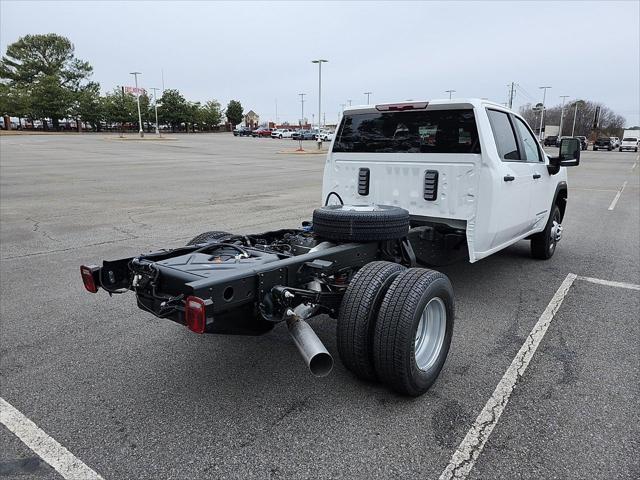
[(504, 135), (531, 150)]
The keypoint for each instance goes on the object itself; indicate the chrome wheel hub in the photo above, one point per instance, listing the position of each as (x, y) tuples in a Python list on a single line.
[(430, 333)]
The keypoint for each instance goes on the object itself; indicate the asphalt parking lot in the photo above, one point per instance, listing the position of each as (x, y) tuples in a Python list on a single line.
[(133, 396)]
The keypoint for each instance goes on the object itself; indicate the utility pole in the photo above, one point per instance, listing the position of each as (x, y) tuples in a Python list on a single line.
[(512, 93), (319, 61), (135, 75), (562, 113), (367, 94), (155, 102), (544, 97), (449, 92), (162, 73), (575, 114), (276, 113), (349, 102), (302, 103)]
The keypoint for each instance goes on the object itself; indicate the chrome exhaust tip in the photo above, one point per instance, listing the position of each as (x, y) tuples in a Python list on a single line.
[(318, 359)]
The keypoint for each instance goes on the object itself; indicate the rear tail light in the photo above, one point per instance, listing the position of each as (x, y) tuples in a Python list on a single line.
[(195, 314), (88, 277), (399, 107)]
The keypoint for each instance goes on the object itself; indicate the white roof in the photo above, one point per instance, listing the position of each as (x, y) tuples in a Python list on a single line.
[(446, 103)]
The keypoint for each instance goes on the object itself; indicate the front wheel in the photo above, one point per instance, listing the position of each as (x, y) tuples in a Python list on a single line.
[(413, 331), (543, 244)]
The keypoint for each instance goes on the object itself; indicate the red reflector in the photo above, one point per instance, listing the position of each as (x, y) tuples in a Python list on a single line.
[(195, 315), (87, 279), (399, 107)]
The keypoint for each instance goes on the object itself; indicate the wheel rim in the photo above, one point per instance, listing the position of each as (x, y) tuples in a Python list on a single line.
[(430, 333), (555, 233)]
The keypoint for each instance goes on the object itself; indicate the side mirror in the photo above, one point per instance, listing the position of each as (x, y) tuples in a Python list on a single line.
[(569, 155)]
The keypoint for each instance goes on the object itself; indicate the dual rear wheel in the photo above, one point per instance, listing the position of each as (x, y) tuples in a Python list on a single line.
[(395, 326)]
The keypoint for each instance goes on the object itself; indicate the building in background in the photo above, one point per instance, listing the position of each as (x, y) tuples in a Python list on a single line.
[(251, 119)]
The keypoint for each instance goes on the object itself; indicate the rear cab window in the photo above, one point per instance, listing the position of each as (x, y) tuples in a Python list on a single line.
[(426, 131)]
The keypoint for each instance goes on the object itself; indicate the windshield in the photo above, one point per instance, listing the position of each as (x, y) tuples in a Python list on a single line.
[(437, 131)]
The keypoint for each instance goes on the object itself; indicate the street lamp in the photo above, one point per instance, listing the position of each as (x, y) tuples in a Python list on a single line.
[(563, 97), (449, 92), (320, 61), (544, 96), (367, 94), (155, 101), (135, 75)]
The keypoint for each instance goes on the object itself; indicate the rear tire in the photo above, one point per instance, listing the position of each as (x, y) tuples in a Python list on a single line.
[(358, 313), (543, 244), (413, 331), (208, 237)]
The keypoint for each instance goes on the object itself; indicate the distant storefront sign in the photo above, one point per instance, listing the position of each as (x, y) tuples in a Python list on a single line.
[(135, 90)]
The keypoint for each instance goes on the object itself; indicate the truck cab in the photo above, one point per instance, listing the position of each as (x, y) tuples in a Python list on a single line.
[(464, 168)]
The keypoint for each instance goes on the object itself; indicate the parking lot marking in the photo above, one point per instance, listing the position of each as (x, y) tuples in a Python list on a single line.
[(615, 199), (633, 167), (465, 456), (609, 283), (61, 459)]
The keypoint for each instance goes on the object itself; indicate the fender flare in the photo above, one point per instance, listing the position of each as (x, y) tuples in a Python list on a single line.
[(560, 197)]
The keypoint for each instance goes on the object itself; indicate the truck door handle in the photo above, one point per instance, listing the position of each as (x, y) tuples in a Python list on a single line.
[(509, 178), (536, 176)]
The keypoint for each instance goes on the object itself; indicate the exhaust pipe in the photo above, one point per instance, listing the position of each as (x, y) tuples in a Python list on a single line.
[(315, 354)]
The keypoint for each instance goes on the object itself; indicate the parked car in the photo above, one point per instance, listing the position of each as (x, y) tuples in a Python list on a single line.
[(325, 135), (261, 132), (603, 143), (583, 141), (362, 261), (629, 143), (560, 139), (615, 141), (304, 134), (551, 141), (242, 132), (282, 133)]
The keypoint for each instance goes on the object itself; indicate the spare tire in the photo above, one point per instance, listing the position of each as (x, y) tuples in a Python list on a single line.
[(360, 223), (208, 237)]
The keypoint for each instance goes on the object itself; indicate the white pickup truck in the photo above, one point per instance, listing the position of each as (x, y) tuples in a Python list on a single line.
[(460, 167), (417, 184)]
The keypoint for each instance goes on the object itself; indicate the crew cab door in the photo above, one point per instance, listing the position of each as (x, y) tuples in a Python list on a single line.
[(543, 185), (511, 213)]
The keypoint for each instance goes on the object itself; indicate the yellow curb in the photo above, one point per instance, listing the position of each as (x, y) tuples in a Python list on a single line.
[(304, 152), (150, 138), (32, 132)]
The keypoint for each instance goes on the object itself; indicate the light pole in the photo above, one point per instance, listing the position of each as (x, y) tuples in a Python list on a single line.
[(449, 92), (349, 102), (544, 97), (320, 61), (562, 112), (367, 94), (575, 114), (155, 103), (302, 103), (300, 149), (135, 75)]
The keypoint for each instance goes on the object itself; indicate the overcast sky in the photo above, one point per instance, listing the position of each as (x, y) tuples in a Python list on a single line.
[(260, 52)]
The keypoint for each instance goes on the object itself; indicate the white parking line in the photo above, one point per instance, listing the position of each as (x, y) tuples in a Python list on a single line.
[(617, 197), (471, 446), (609, 283), (61, 459), (464, 458), (633, 167)]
